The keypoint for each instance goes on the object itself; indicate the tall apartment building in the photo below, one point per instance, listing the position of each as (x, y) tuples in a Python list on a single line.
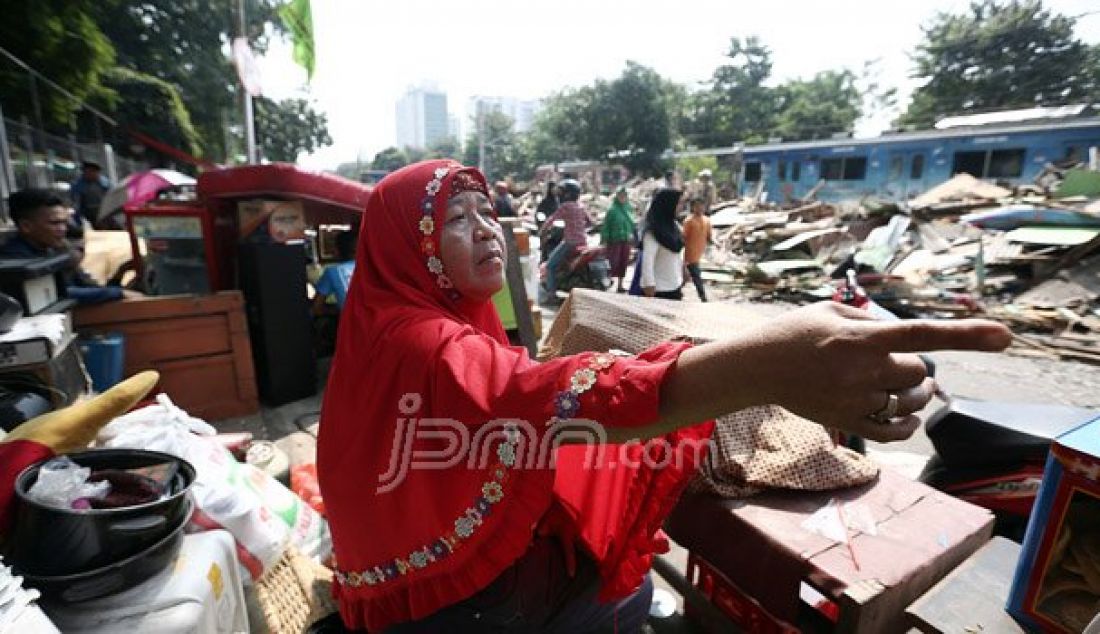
[(422, 118)]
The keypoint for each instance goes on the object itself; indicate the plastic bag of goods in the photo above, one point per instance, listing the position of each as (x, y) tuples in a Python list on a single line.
[(263, 515)]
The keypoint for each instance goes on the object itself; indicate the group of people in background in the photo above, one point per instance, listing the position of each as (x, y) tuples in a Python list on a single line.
[(668, 252)]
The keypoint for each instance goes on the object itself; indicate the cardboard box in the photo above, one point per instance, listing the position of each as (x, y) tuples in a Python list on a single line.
[(1057, 583), (761, 546)]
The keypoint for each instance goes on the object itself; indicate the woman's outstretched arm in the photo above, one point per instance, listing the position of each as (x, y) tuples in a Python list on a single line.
[(830, 363)]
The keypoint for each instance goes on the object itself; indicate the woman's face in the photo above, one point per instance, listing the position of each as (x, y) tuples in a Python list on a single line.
[(621, 197), (471, 246)]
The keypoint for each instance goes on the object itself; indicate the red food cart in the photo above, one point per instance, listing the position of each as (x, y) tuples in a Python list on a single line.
[(192, 245), (255, 229)]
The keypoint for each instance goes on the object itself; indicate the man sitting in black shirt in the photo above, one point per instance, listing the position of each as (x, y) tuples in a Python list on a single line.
[(43, 220)]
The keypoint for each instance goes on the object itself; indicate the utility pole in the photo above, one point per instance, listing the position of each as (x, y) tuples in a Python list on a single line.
[(480, 136), (249, 125)]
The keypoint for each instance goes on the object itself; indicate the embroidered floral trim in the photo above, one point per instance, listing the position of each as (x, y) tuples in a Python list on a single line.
[(427, 228), (427, 225), (567, 403), (465, 525)]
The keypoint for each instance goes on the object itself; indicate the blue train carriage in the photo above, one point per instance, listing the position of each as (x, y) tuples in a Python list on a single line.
[(903, 165)]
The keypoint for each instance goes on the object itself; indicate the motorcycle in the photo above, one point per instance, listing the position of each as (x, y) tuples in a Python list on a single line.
[(587, 267), (992, 454)]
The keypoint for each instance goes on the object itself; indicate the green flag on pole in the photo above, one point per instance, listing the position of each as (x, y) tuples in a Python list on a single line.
[(298, 18)]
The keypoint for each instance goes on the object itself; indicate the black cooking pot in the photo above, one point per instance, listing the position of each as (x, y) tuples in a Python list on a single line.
[(115, 577), (48, 541)]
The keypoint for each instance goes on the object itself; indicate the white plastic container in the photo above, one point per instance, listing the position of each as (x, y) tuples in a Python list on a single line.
[(200, 592)]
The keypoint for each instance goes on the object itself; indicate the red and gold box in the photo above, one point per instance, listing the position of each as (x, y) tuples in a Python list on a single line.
[(1057, 583)]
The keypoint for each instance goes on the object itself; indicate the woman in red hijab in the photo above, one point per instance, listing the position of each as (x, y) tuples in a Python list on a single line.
[(451, 509)]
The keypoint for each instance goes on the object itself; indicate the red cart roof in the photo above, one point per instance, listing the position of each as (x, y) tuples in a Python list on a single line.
[(284, 180)]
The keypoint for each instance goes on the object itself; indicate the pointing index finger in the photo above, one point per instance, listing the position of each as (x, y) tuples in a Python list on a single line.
[(927, 335)]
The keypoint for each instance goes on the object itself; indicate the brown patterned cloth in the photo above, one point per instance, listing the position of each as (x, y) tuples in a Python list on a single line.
[(754, 449)]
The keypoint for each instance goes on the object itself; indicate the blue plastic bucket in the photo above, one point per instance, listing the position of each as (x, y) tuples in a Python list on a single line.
[(103, 358)]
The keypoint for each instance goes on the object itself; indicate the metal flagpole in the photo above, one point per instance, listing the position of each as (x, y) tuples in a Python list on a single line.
[(249, 124)]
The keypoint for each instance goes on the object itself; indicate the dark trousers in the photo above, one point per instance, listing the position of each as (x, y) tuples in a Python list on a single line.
[(537, 595), (676, 294), (697, 279)]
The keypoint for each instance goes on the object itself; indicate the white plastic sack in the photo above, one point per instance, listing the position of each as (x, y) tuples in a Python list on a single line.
[(263, 515)]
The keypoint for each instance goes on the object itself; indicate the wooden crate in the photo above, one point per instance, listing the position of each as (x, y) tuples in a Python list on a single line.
[(920, 535), (198, 343)]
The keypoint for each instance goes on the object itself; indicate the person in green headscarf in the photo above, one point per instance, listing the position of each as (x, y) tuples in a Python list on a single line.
[(617, 235)]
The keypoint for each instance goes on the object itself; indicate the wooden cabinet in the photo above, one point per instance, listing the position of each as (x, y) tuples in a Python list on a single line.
[(198, 343)]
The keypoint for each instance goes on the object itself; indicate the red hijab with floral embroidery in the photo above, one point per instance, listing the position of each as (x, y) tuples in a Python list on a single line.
[(433, 437)]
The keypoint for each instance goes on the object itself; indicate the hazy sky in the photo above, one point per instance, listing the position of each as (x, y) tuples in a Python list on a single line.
[(369, 52)]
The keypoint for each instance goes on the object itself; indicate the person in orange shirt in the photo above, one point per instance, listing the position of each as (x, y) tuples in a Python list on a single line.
[(697, 236)]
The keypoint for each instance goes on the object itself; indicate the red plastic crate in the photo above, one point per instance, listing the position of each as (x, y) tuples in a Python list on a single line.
[(741, 609)]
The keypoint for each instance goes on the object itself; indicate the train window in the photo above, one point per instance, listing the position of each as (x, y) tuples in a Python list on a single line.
[(992, 163), (855, 168), (972, 163), (916, 168), (752, 172), (796, 171), (1006, 163), (781, 170), (832, 169), (896, 164)]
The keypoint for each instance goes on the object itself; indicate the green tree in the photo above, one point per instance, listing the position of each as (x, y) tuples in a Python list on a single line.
[(505, 151), (60, 39), (1092, 71), (448, 147), (151, 106), (625, 120), (561, 130), (183, 42), (351, 169), (289, 127), (817, 108), (739, 108), (999, 55), (636, 123), (389, 159)]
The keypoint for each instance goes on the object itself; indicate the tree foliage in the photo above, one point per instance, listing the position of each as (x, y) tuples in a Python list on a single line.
[(287, 128), (158, 65), (151, 106), (505, 151), (626, 120), (998, 55), (820, 107), (741, 107), (183, 42), (389, 159), (447, 147), (60, 39)]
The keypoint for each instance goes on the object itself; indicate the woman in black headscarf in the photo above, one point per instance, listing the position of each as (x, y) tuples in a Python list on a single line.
[(549, 203), (660, 265)]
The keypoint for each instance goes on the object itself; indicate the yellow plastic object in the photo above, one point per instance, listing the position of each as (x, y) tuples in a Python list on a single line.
[(74, 427)]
